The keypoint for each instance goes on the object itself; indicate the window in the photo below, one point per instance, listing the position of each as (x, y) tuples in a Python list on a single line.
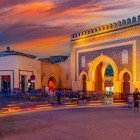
[(83, 61), (125, 57)]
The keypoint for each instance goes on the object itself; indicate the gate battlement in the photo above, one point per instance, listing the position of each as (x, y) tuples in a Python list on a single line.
[(107, 28)]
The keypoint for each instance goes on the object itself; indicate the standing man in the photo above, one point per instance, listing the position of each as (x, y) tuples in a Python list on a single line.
[(136, 98), (58, 96)]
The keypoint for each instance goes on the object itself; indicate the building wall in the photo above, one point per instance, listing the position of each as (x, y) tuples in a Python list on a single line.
[(49, 70), (65, 74), (15, 66), (28, 66), (109, 40), (8, 68)]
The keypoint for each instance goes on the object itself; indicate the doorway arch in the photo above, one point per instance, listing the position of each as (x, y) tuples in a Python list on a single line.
[(83, 81), (97, 61), (52, 83), (98, 67), (123, 78), (126, 83)]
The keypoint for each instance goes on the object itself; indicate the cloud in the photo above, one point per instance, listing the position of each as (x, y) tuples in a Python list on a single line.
[(25, 21), (11, 3), (21, 32)]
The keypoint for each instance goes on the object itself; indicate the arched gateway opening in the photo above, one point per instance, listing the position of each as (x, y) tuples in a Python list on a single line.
[(103, 73), (104, 78), (126, 83), (52, 83), (84, 83)]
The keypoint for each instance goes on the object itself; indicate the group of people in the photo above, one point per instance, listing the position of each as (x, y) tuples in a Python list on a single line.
[(133, 99), (52, 95)]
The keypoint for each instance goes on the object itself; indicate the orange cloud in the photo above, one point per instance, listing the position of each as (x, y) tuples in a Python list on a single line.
[(34, 9), (44, 47)]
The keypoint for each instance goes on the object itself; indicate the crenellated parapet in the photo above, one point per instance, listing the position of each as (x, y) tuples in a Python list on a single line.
[(107, 28)]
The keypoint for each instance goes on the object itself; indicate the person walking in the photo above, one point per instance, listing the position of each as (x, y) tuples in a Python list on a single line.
[(130, 101), (136, 95), (58, 95), (51, 97)]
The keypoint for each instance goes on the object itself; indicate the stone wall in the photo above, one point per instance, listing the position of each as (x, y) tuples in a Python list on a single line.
[(49, 70)]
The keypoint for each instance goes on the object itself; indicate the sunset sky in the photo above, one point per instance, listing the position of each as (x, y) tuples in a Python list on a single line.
[(43, 27)]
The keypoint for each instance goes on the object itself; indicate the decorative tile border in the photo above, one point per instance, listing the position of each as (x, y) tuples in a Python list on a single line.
[(101, 46)]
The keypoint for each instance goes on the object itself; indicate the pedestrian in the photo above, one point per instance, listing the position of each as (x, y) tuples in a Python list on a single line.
[(51, 96), (130, 101), (58, 95), (136, 95)]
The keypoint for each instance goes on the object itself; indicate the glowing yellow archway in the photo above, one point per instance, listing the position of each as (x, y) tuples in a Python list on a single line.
[(81, 80), (97, 61), (123, 72), (81, 75)]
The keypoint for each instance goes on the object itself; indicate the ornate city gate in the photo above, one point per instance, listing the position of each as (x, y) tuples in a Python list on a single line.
[(108, 57)]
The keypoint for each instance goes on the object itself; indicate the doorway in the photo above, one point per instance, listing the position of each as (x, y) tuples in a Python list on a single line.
[(126, 83), (23, 83), (84, 82), (52, 83), (5, 84)]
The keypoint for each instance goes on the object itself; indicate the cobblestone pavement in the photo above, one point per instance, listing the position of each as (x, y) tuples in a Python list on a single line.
[(97, 123)]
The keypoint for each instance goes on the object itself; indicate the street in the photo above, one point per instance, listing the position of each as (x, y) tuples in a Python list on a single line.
[(95, 123)]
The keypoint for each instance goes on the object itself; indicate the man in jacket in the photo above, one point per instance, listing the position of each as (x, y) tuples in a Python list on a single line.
[(58, 96), (136, 95)]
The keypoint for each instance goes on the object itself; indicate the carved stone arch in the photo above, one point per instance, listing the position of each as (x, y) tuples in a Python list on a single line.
[(85, 32), (114, 24), (129, 21), (138, 17), (91, 31), (98, 29), (88, 31), (123, 22), (106, 27), (81, 33), (78, 35), (125, 77), (102, 27), (123, 72), (103, 70), (134, 19), (94, 30), (97, 61), (75, 35), (110, 25), (83, 81), (119, 23), (52, 78), (81, 75)]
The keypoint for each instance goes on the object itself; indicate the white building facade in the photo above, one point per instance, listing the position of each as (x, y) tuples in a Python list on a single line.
[(16, 72)]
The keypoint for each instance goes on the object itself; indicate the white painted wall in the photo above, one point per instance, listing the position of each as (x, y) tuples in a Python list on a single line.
[(7, 63), (27, 64), (15, 62), (65, 74)]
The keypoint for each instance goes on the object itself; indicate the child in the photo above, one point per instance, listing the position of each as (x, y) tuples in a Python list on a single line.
[(130, 101)]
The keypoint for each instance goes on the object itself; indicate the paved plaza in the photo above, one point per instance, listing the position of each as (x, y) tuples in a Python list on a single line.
[(78, 123)]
